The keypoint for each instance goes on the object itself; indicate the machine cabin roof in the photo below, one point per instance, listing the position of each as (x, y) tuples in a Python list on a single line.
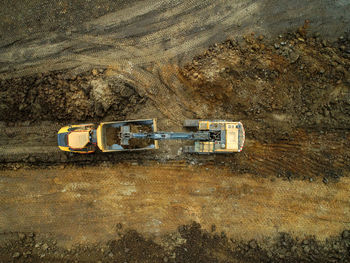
[(232, 137), (78, 139)]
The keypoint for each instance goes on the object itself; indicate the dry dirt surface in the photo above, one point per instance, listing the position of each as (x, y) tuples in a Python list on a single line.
[(51, 211), (282, 68)]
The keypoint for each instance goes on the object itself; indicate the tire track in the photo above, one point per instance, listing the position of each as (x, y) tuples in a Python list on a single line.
[(303, 160), (138, 198), (152, 31)]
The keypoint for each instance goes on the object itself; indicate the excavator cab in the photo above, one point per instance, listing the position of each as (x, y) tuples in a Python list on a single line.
[(225, 136)]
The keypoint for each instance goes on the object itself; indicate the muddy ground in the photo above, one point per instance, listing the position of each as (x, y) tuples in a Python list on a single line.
[(280, 67)]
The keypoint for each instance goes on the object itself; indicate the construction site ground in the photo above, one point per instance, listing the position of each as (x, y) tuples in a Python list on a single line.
[(279, 67)]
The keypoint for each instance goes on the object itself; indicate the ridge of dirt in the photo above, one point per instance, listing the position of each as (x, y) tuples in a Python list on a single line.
[(61, 96), (298, 80), (190, 243)]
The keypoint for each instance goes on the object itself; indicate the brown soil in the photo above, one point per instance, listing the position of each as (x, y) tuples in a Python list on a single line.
[(137, 143), (243, 218), (112, 135), (285, 198)]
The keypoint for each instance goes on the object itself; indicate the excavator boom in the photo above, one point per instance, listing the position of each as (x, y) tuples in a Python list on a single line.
[(194, 136)]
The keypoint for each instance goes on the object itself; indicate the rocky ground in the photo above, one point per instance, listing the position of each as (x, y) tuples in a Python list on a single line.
[(189, 243), (296, 81), (280, 67)]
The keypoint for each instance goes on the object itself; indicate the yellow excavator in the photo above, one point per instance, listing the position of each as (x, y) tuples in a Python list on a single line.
[(212, 136)]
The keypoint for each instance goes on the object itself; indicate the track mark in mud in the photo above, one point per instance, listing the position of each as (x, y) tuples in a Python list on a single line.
[(310, 156), (155, 199), (144, 33)]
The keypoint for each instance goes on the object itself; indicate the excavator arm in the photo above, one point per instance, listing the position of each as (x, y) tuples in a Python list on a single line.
[(126, 135)]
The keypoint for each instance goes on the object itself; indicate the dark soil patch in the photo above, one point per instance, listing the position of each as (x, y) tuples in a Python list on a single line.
[(63, 97), (113, 136), (191, 244), (295, 81)]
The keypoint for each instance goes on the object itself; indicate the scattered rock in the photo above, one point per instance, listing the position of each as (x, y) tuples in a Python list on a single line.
[(253, 244), (293, 57), (64, 157), (45, 246), (101, 93), (306, 249), (325, 180), (255, 47), (305, 242), (126, 91)]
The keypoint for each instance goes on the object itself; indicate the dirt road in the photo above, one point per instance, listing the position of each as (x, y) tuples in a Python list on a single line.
[(144, 32), (280, 67), (84, 206)]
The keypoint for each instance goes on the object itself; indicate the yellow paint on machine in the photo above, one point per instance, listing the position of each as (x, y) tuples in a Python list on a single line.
[(64, 148), (99, 137)]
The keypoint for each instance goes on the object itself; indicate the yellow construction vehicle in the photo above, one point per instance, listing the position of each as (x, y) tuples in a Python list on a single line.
[(224, 136), (212, 136)]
